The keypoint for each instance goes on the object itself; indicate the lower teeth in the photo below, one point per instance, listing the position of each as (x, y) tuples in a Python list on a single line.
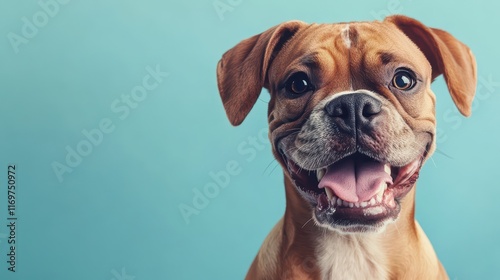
[(336, 201)]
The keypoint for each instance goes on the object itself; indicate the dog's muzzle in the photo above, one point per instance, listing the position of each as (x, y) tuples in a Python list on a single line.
[(354, 159)]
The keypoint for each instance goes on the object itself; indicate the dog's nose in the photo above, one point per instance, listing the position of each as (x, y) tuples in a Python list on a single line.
[(353, 111)]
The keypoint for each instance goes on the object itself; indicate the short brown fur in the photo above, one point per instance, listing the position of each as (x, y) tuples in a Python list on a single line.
[(289, 251)]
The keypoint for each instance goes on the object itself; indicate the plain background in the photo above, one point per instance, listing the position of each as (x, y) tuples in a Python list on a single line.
[(116, 215)]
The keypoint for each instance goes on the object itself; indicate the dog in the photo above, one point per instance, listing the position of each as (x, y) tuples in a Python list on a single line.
[(351, 121)]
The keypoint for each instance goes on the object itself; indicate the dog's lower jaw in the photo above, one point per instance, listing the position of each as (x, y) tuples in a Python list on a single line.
[(298, 249)]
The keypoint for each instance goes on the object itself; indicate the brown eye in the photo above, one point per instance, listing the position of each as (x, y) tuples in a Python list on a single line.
[(298, 84), (403, 80)]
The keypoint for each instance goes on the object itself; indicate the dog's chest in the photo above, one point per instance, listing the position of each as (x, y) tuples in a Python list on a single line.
[(350, 257)]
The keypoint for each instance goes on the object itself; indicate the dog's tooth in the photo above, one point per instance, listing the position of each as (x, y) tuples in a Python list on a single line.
[(339, 201), (320, 173), (329, 194), (351, 204), (345, 203), (380, 194), (387, 169), (356, 204), (372, 201), (392, 203), (363, 204)]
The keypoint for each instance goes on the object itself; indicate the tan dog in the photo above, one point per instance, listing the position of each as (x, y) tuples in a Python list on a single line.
[(351, 120)]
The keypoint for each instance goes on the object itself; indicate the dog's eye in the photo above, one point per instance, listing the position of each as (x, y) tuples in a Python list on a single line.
[(298, 84), (403, 80)]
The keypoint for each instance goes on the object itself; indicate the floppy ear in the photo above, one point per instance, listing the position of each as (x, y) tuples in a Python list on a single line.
[(447, 56), (242, 71)]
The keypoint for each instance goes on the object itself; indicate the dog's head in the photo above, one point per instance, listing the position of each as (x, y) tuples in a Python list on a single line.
[(351, 115)]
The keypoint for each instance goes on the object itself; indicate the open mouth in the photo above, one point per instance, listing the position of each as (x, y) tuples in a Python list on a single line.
[(357, 192)]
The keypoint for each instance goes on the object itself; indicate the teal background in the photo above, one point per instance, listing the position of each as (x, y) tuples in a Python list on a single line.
[(116, 215)]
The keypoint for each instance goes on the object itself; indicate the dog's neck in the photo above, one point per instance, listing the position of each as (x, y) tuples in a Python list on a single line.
[(363, 254), (320, 253)]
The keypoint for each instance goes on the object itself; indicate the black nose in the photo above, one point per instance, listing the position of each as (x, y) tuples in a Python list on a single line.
[(354, 111)]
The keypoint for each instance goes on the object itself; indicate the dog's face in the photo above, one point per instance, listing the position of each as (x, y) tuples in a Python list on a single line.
[(351, 114)]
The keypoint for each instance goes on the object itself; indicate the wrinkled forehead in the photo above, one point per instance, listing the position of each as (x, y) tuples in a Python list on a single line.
[(330, 47)]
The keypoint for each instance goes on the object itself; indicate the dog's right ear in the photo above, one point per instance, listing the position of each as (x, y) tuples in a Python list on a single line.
[(242, 71)]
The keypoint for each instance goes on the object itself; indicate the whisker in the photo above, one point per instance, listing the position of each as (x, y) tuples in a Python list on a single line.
[(277, 164), (421, 145), (433, 162), (397, 228), (443, 153), (307, 222), (269, 165)]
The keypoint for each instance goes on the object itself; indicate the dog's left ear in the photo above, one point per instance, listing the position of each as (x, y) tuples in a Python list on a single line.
[(447, 56), (242, 71)]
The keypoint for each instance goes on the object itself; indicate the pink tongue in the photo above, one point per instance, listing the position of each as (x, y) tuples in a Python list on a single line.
[(355, 179)]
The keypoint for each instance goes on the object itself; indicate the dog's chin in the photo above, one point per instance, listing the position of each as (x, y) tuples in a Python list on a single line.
[(371, 215)]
